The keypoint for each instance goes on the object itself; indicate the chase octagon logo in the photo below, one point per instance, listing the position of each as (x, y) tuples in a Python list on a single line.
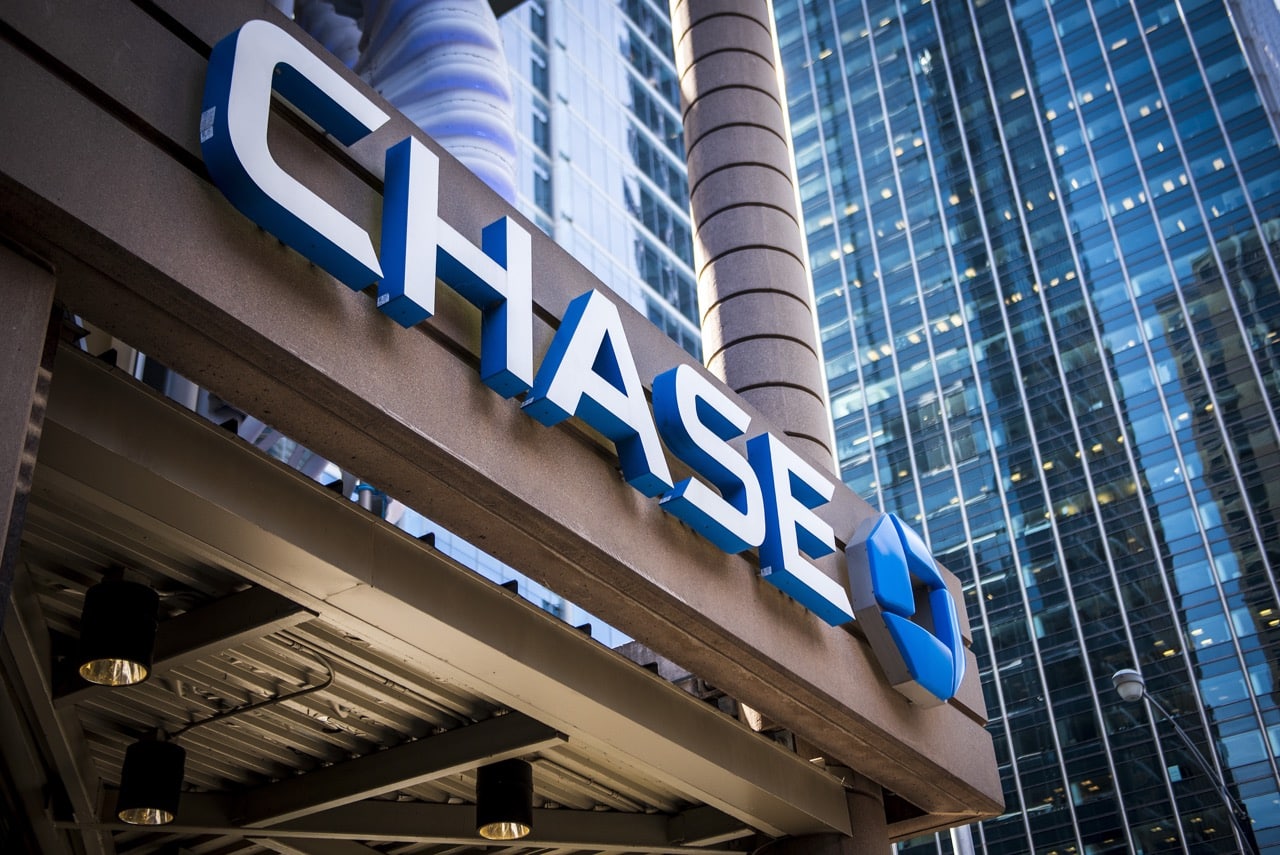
[(897, 589)]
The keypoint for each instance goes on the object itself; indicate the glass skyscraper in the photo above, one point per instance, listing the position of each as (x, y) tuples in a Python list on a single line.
[(602, 148), (1045, 239)]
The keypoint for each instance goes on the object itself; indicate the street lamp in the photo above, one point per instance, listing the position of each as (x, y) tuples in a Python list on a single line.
[(1132, 688)]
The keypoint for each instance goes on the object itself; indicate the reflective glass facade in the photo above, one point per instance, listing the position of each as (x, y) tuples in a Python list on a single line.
[(1044, 239), (602, 148)]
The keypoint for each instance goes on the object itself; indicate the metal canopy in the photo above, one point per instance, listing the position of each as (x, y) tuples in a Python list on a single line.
[(101, 177), (437, 670)]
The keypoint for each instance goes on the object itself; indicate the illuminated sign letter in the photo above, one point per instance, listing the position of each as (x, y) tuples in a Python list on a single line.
[(417, 247), (589, 372), (243, 70), (695, 420), (792, 488)]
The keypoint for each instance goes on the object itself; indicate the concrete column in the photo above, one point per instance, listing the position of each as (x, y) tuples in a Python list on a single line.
[(870, 831), (754, 292), (28, 337)]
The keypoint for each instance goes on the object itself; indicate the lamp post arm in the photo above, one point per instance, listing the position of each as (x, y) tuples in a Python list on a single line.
[(1234, 809)]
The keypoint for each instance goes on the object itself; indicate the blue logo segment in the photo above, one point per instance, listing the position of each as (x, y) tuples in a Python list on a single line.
[(896, 585)]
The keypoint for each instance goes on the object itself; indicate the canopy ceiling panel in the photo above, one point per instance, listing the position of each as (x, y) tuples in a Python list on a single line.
[(308, 726)]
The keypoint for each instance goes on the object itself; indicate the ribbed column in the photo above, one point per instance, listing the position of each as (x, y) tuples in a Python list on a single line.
[(758, 330)]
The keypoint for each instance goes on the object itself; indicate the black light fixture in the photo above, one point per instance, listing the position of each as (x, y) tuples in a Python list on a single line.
[(117, 631), (504, 800), (151, 782)]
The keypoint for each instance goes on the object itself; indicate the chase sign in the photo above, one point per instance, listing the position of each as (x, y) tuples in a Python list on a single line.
[(763, 499)]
